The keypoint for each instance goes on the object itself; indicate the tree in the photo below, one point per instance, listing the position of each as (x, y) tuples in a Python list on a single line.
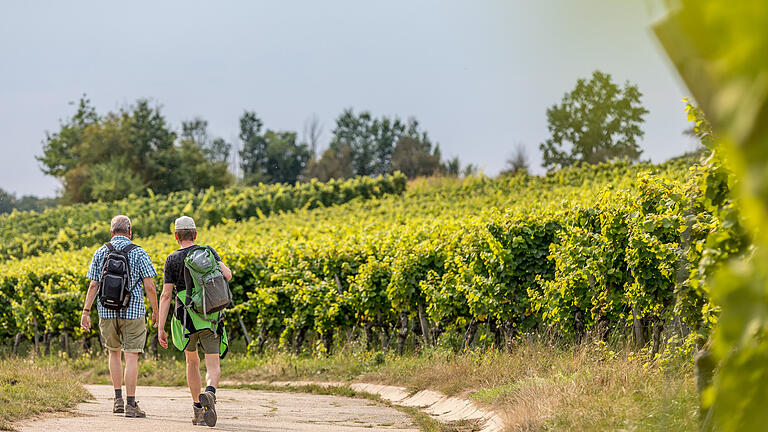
[(517, 163), (130, 151), (371, 141), (414, 154), (112, 180), (597, 121), (7, 201), (270, 157), (285, 158), (59, 148), (312, 131), (363, 145), (215, 149), (335, 162), (253, 156), (204, 158), (452, 167)]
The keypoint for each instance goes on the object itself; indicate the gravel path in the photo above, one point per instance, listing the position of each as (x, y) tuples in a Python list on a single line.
[(170, 409)]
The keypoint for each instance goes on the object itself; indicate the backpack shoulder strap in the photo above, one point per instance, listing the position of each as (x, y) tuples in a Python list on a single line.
[(130, 247), (196, 247), (110, 247)]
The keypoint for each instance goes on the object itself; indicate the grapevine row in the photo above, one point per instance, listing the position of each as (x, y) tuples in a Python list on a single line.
[(23, 234), (611, 247)]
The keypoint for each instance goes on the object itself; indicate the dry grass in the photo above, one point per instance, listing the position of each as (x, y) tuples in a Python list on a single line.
[(28, 388), (537, 386), (540, 387)]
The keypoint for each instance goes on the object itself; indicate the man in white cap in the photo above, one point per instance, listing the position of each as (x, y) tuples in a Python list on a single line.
[(209, 335)]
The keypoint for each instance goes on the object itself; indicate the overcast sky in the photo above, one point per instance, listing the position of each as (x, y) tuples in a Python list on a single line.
[(477, 74)]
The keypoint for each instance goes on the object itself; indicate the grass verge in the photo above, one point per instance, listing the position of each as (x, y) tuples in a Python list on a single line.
[(29, 388), (536, 386)]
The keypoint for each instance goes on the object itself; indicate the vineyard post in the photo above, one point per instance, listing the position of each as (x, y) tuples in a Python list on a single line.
[(658, 326), (16, 342), (65, 346), (37, 336), (327, 338), (368, 327), (245, 330), (383, 331), (469, 335), (637, 328), (402, 333), (425, 331), (509, 334), (261, 340)]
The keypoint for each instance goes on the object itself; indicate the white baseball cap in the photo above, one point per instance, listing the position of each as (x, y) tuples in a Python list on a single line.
[(184, 223)]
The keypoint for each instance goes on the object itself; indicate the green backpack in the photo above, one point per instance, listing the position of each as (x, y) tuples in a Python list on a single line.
[(207, 290)]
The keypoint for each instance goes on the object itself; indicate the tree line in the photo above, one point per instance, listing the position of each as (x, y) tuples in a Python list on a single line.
[(112, 156), (108, 157)]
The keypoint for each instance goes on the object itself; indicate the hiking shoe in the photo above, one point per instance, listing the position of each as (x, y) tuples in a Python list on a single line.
[(119, 406), (208, 401), (134, 411), (198, 418)]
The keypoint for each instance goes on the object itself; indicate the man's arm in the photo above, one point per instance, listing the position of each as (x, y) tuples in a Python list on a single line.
[(225, 271), (85, 318), (165, 305), (149, 287)]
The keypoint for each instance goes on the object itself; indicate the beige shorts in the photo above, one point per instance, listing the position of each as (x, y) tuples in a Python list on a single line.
[(208, 341), (128, 335)]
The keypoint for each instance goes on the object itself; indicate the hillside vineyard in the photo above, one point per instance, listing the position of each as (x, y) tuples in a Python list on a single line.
[(618, 249), (31, 233)]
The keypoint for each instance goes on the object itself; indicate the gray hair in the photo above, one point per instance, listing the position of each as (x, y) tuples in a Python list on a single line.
[(121, 224)]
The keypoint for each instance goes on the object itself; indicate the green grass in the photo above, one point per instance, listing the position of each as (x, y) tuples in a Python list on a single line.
[(536, 386), (28, 388)]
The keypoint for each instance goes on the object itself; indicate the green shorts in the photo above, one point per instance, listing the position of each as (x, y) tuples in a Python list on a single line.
[(128, 335), (207, 339)]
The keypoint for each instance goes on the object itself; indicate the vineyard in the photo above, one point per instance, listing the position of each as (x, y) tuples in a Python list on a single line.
[(617, 249), (30, 233)]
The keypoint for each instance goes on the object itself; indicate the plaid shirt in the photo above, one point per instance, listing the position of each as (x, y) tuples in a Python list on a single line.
[(141, 267)]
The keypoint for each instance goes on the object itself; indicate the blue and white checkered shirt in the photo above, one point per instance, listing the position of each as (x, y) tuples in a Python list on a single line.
[(141, 267)]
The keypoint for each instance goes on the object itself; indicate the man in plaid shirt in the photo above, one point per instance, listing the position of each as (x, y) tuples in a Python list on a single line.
[(124, 330)]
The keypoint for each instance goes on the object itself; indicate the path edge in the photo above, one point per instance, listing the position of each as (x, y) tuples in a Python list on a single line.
[(435, 404)]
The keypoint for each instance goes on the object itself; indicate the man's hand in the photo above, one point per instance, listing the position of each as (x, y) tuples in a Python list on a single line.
[(162, 338), (85, 321), (154, 318)]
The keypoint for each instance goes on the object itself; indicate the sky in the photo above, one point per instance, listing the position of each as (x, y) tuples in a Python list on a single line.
[(478, 75)]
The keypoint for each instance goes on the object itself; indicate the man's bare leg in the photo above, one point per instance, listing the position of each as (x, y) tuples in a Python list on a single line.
[(212, 370), (193, 374), (116, 369), (131, 373)]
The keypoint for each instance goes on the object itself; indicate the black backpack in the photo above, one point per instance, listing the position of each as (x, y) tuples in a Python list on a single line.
[(114, 292)]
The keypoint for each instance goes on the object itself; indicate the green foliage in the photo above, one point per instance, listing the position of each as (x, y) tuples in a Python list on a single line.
[(9, 202), (596, 122), (414, 155), (366, 145), (270, 157), (449, 252), (68, 227), (718, 48), (371, 141), (124, 153), (285, 158)]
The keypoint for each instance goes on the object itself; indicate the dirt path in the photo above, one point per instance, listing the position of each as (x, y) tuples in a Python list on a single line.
[(170, 408)]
